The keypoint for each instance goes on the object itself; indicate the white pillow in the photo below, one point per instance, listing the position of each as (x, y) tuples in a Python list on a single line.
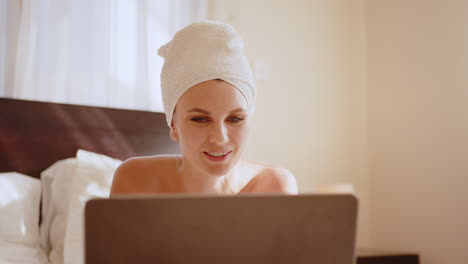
[(19, 219), (67, 185), (56, 194), (104, 163), (12, 253), (94, 178)]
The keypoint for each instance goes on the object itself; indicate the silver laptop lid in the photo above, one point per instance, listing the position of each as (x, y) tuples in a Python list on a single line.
[(253, 228)]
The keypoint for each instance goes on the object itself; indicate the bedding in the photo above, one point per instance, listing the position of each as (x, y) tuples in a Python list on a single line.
[(93, 179), (41, 140), (67, 185), (56, 184), (19, 218)]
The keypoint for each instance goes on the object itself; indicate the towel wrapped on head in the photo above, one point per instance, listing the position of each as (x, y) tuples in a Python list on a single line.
[(200, 52)]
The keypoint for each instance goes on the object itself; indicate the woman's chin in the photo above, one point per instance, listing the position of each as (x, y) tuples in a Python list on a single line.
[(215, 166), (218, 170)]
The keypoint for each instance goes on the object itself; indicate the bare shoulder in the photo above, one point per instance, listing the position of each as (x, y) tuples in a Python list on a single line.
[(136, 175), (272, 179)]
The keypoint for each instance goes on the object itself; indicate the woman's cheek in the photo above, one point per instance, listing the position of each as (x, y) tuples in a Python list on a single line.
[(195, 136), (240, 134)]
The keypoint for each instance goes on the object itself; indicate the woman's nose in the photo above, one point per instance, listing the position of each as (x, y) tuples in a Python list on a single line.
[(218, 134)]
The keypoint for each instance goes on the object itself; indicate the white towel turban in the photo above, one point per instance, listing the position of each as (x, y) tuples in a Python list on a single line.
[(200, 52)]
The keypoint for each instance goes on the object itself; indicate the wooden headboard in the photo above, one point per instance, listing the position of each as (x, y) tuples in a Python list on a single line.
[(34, 135)]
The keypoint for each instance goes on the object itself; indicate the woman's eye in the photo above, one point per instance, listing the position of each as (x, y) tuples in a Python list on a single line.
[(235, 119), (199, 119)]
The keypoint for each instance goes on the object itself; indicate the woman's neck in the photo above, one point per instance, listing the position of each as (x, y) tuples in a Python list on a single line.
[(194, 181)]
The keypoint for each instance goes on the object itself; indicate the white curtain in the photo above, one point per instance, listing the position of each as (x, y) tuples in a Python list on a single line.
[(89, 52)]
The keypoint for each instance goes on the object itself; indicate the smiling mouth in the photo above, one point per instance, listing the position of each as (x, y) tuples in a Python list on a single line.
[(217, 156)]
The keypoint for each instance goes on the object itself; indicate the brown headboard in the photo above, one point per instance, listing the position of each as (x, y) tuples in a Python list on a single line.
[(33, 135)]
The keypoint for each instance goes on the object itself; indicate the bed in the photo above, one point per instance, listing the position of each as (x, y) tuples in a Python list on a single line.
[(33, 135), (36, 137)]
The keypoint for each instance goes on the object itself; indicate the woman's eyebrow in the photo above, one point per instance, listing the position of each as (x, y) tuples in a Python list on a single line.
[(240, 109), (196, 109), (199, 110)]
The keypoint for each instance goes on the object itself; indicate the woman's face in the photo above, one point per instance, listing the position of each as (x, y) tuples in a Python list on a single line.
[(211, 125)]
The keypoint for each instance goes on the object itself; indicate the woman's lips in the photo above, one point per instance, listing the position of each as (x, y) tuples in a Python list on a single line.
[(217, 158)]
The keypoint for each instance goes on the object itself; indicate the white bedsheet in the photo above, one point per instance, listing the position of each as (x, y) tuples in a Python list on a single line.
[(13, 253), (19, 219)]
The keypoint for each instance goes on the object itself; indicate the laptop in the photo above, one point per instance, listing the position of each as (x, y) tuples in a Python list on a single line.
[(196, 228)]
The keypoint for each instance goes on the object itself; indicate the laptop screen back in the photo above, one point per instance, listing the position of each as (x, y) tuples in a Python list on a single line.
[(254, 228)]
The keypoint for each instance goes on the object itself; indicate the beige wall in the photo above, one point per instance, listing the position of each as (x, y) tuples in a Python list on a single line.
[(311, 111), (418, 126), (391, 72)]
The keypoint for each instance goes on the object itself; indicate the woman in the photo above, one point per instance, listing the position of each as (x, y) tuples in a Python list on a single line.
[(209, 96)]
